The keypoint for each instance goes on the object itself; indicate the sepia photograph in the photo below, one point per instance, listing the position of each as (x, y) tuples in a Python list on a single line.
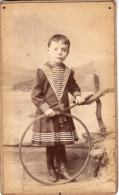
[(59, 97)]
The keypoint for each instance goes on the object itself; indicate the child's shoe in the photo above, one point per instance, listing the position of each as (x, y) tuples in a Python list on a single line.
[(52, 175), (63, 172)]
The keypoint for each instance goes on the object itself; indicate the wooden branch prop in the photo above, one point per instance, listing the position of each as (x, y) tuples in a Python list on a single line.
[(97, 95), (99, 117), (99, 106), (96, 83)]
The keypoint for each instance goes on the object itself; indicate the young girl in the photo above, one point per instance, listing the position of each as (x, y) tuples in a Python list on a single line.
[(52, 83)]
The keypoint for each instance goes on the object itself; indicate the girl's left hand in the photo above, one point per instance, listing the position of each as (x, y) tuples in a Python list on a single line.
[(79, 99)]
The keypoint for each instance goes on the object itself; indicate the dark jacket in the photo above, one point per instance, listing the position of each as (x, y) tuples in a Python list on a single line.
[(43, 92)]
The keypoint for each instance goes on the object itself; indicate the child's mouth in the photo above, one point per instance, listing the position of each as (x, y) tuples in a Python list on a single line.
[(59, 58)]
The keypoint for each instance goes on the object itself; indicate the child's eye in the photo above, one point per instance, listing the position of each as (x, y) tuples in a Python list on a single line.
[(64, 50), (55, 49)]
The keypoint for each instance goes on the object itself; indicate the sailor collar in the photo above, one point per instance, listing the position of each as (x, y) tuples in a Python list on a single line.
[(47, 69)]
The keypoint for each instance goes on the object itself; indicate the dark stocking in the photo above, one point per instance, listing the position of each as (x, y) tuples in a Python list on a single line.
[(61, 154), (50, 154)]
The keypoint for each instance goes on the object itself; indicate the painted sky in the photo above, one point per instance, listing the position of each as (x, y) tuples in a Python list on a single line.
[(26, 28)]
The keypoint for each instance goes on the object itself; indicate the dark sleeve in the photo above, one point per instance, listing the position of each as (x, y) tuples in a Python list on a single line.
[(37, 94), (73, 87)]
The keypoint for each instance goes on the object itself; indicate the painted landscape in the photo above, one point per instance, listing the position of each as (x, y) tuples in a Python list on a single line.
[(19, 110)]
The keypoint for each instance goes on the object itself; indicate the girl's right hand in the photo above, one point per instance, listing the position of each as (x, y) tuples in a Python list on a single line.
[(50, 113)]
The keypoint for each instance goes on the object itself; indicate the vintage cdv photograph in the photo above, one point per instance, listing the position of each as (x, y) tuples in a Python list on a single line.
[(58, 97)]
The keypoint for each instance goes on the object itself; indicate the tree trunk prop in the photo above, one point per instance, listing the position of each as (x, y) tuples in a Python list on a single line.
[(102, 159)]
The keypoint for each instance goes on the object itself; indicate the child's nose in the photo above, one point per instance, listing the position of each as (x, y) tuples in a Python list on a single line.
[(59, 51)]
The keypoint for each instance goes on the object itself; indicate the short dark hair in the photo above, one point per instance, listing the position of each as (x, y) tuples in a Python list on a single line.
[(59, 37)]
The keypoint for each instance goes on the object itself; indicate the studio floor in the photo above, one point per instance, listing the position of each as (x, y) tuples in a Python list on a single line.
[(16, 180)]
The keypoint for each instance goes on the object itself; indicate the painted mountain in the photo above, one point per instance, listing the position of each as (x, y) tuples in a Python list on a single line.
[(19, 78)]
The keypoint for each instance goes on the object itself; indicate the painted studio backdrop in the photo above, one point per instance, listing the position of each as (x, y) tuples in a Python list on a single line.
[(26, 28)]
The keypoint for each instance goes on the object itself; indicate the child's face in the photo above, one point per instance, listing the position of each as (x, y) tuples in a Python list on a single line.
[(58, 52)]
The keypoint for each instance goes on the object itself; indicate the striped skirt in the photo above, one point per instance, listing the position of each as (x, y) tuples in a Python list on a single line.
[(54, 131)]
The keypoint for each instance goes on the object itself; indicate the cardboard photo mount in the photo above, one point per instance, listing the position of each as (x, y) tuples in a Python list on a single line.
[(90, 26)]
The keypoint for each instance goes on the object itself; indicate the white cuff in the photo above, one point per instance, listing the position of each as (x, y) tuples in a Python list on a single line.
[(44, 107), (77, 93)]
